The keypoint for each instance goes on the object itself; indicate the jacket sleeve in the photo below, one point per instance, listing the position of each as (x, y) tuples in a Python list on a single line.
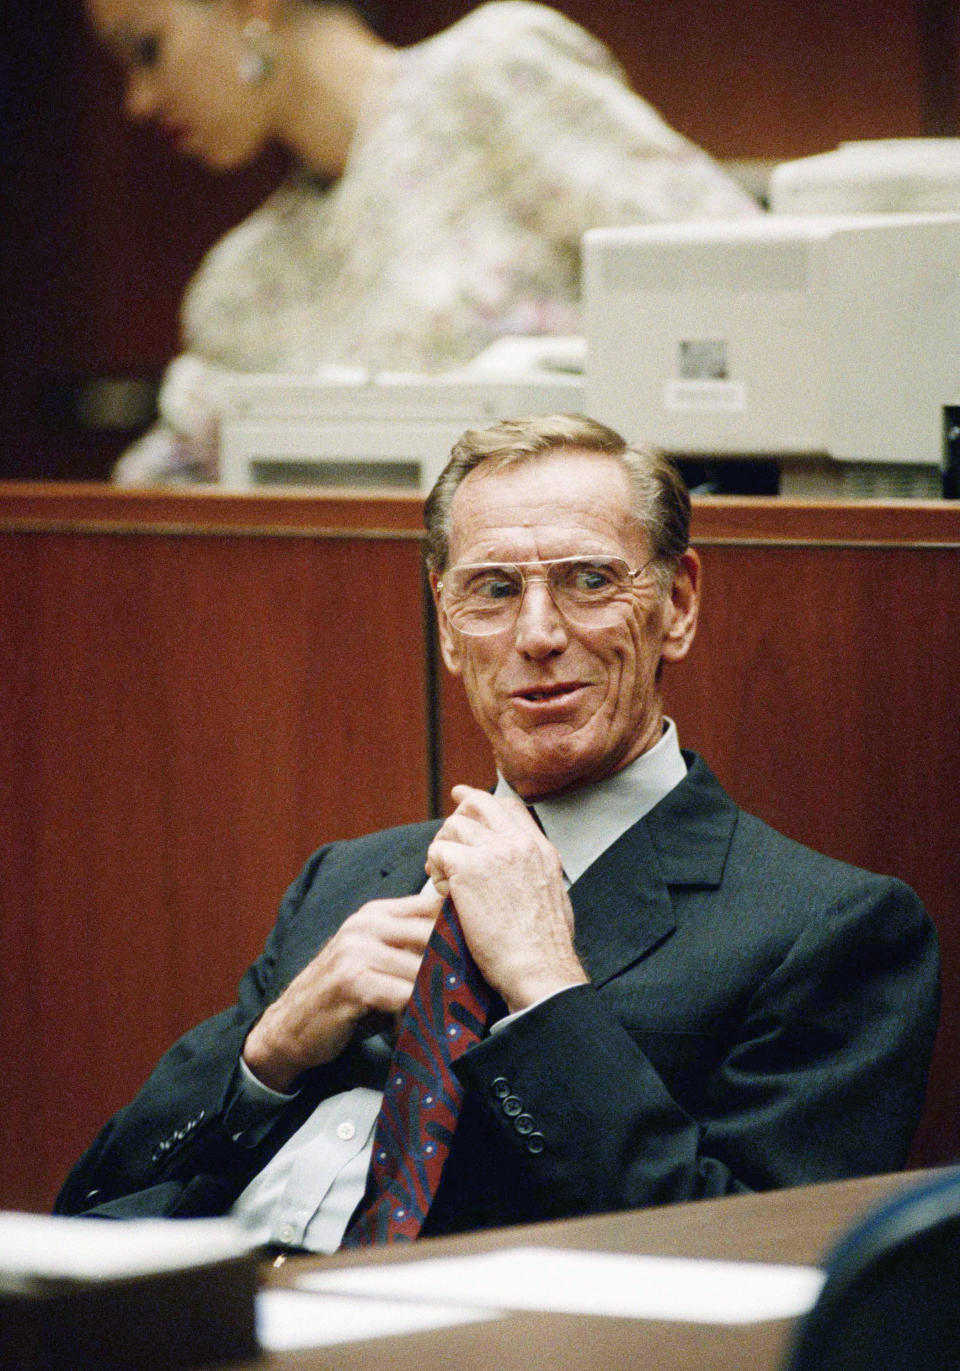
[(820, 1075)]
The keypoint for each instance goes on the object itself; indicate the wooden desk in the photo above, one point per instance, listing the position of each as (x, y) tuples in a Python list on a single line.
[(795, 1226)]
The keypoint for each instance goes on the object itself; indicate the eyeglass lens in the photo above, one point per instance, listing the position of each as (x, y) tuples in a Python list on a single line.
[(486, 598)]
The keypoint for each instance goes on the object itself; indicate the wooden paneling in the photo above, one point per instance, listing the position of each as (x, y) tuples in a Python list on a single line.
[(90, 507), (185, 716)]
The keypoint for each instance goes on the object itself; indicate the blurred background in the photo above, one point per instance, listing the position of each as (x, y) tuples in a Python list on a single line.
[(104, 224)]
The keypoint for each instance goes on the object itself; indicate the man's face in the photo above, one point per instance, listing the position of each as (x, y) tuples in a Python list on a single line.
[(564, 705)]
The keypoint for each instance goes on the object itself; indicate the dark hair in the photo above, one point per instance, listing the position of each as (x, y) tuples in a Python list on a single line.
[(661, 499)]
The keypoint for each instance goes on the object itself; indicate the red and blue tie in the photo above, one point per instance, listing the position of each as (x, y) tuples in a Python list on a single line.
[(448, 1012)]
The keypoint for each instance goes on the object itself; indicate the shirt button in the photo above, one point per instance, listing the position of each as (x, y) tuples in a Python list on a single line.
[(287, 1233), (346, 1130)]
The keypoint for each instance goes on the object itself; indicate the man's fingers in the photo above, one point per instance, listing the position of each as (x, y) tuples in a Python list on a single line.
[(388, 992), (368, 966), (462, 828), (411, 933), (437, 874), (422, 905), (496, 812), (403, 922)]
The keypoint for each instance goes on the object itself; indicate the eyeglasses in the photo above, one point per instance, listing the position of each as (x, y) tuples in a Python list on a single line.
[(485, 597)]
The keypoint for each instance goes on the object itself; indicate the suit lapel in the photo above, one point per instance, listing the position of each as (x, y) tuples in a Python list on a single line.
[(623, 903), (402, 871)]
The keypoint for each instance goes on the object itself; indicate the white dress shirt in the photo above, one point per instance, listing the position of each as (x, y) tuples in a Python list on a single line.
[(306, 1193)]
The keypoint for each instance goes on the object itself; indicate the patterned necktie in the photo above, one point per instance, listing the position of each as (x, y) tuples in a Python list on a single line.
[(447, 1013)]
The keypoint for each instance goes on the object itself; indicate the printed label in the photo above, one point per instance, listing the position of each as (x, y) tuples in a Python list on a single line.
[(717, 397)]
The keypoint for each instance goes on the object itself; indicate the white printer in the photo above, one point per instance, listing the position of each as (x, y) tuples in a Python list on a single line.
[(347, 428), (828, 342), (872, 176)]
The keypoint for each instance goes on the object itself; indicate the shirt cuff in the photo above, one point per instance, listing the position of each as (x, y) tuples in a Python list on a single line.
[(518, 1013), (254, 1089), (252, 1107)]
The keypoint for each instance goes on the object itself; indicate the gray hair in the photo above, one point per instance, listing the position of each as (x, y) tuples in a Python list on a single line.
[(661, 502)]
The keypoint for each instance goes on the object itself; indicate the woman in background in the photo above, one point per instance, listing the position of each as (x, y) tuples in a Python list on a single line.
[(440, 195)]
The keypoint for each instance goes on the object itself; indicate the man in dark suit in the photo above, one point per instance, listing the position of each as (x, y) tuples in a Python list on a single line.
[(690, 1003)]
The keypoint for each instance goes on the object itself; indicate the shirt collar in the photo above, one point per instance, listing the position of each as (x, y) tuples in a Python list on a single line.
[(583, 824)]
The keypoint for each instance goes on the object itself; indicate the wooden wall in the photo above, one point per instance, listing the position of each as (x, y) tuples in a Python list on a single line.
[(190, 705), (198, 689), (106, 224)]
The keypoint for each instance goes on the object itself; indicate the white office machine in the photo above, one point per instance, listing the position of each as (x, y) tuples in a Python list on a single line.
[(873, 176), (385, 431), (830, 343)]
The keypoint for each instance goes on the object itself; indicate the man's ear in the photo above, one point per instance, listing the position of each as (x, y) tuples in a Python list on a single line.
[(449, 643), (682, 608)]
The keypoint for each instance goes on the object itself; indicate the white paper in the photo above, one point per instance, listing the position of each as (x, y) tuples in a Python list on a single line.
[(48, 1247), (572, 1282), (288, 1319)]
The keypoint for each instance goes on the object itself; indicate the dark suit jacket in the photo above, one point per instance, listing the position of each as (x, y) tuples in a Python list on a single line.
[(758, 1016)]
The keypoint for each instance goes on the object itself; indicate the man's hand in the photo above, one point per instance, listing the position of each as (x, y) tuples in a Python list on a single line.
[(506, 882), (368, 966)]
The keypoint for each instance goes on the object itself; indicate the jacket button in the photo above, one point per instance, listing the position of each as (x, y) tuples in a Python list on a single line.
[(512, 1106), (500, 1087), (523, 1123), (535, 1144)]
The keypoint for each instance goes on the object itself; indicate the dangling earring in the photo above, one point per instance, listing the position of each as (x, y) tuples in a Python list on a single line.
[(256, 62)]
